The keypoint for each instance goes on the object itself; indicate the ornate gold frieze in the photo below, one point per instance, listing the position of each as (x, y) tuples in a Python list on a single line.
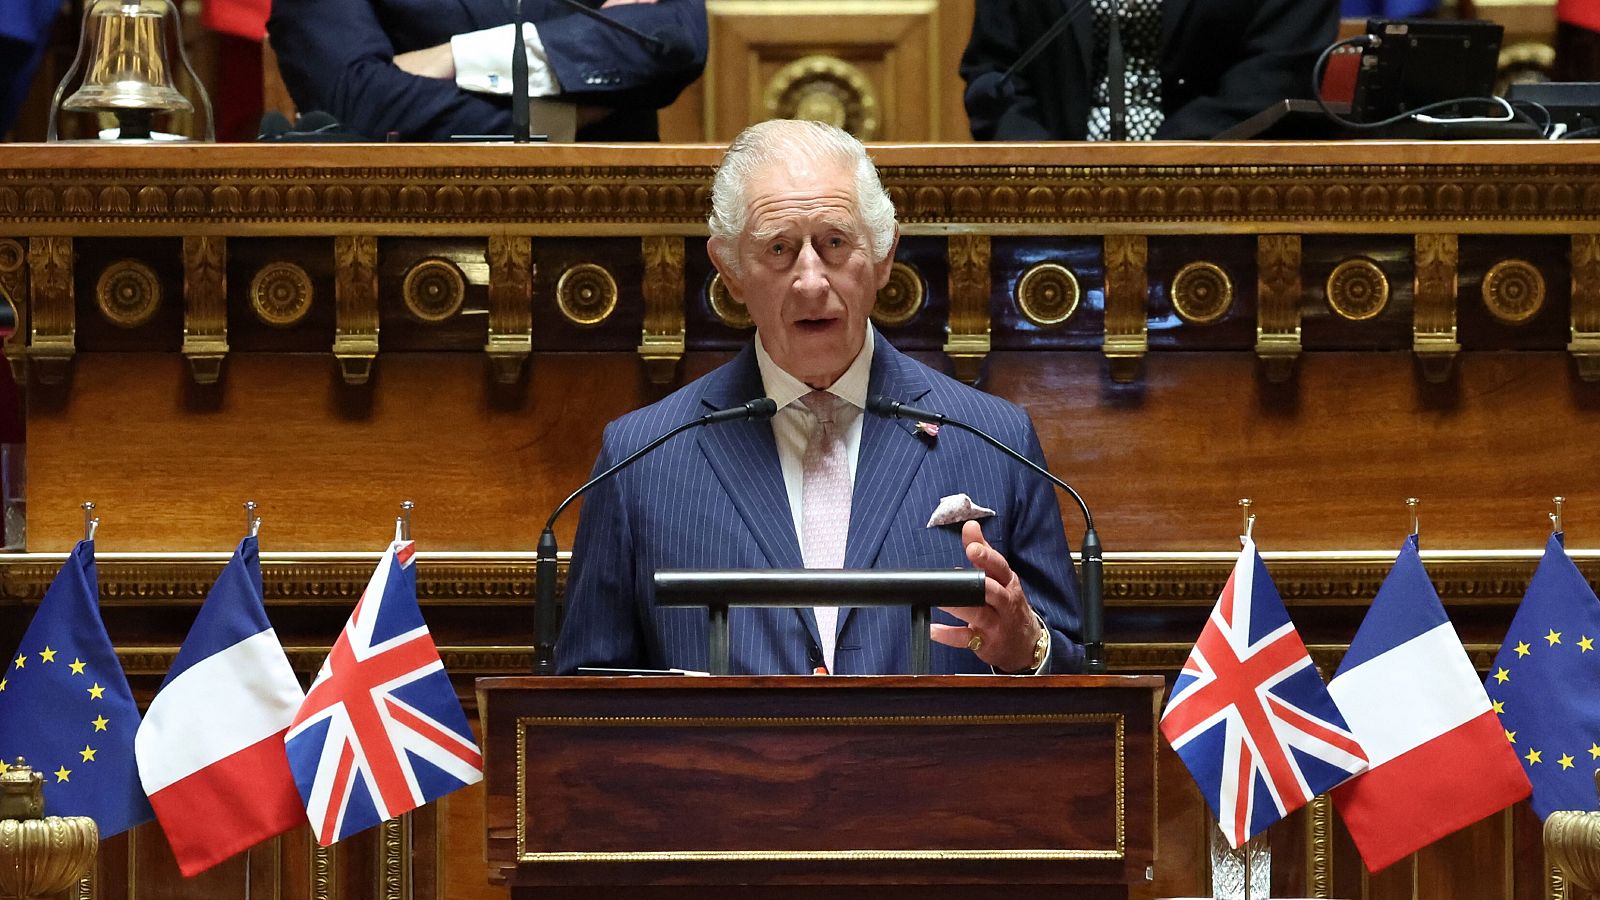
[(14, 293), (1048, 294), (433, 289), (205, 306), (1357, 290), (511, 271), (281, 294), (1513, 291), (901, 298), (1278, 304), (128, 293), (355, 297), (968, 341), (1434, 304), (249, 190), (1585, 345), (52, 314), (323, 870), (661, 344), (827, 89), (1127, 289), (1202, 293), (728, 310), (586, 294)]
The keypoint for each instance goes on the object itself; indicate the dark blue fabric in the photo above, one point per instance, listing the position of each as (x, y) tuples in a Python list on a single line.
[(715, 498), (1386, 9), (64, 699), (24, 31), (338, 56), (1545, 692)]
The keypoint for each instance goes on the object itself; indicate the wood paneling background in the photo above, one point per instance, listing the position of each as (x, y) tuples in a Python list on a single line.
[(1482, 418)]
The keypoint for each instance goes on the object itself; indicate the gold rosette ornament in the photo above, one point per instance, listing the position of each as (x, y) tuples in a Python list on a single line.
[(40, 856)]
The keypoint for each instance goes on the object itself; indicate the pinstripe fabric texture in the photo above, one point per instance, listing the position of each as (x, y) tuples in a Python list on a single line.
[(715, 498)]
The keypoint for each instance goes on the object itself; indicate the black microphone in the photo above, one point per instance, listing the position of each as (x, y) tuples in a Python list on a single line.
[(669, 49), (544, 658), (521, 131), (1094, 592)]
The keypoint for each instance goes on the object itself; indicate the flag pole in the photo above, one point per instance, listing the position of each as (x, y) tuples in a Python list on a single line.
[(252, 522), (1555, 517), (91, 522), (402, 522)]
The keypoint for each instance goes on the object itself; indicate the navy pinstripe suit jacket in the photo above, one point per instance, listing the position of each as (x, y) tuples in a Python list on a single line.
[(714, 498)]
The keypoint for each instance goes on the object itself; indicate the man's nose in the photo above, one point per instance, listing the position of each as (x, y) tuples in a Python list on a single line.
[(809, 277)]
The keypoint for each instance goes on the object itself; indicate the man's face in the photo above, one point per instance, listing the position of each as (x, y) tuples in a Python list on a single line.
[(806, 271)]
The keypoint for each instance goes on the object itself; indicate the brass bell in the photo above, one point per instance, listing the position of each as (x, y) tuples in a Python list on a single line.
[(123, 56)]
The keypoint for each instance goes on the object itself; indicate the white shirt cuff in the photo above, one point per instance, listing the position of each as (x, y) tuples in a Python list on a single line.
[(483, 61)]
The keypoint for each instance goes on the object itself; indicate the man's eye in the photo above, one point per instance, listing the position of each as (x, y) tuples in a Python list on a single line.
[(779, 248)]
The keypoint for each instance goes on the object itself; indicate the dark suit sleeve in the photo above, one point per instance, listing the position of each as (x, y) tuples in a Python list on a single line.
[(601, 625), (1280, 44), (606, 67), (1039, 555), (335, 56), (997, 40)]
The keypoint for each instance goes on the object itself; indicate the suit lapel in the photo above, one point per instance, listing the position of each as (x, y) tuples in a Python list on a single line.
[(890, 454), (744, 457)]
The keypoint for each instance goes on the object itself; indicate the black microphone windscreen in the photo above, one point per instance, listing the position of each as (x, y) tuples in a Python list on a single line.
[(273, 126), (315, 120), (762, 408), (879, 405)]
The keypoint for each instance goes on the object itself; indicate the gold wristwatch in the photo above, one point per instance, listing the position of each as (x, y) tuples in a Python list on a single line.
[(1041, 647)]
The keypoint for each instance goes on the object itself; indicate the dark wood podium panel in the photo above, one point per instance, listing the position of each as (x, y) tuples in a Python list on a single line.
[(969, 784)]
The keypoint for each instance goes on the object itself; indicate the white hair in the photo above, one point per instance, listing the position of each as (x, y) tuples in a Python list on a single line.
[(776, 141)]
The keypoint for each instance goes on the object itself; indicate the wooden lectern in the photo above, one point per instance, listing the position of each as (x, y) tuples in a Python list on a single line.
[(796, 786)]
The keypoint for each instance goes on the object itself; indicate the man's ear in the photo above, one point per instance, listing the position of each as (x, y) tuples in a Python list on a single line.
[(886, 265), (716, 248)]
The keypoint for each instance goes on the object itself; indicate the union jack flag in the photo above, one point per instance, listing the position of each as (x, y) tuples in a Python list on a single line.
[(1250, 716), (381, 731)]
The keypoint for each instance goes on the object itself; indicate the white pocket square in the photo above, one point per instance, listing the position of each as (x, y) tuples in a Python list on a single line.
[(955, 509)]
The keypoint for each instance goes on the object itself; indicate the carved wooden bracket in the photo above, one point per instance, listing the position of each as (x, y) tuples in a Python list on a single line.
[(1278, 304), (968, 341), (14, 292), (355, 292), (1585, 346), (53, 316), (205, 306), (510, 306), (661, 343), (1433, 326), (1127, 287)]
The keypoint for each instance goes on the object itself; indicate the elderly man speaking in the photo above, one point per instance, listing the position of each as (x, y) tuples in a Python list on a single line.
[(803, 235)]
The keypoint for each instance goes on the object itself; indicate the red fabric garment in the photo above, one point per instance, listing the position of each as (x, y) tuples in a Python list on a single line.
[(1583, 13), (245, 18)]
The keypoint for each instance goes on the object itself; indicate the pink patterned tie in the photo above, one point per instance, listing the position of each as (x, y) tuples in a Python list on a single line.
[(824, 505)]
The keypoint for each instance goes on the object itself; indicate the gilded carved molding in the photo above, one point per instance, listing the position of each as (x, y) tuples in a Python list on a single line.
[(1278, 304), (1127, 289), (968, 341), (1319, 847), (205, 306), (661, 344), (511, 271), (233, 192), (1434, 304), (355, 295), (52, 315), (1585, 345), (14, 292)]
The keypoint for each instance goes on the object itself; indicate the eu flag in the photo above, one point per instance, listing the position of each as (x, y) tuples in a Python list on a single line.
[(65, 706), (1542, 684)]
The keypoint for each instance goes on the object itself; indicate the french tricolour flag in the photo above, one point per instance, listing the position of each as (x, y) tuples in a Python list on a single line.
[(1439, 758), (210, 749)]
